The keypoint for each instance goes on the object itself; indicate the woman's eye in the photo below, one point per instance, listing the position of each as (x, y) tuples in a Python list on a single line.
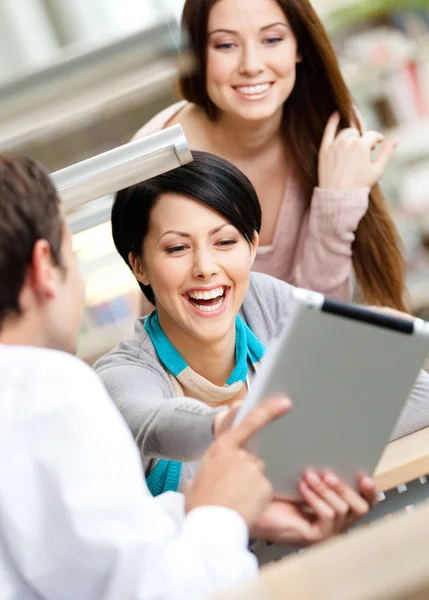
[(175, 249), (225, 46), (272, 41), (226, 243)]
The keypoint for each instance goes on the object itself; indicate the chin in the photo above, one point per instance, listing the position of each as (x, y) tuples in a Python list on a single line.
[(213, 332), (256, 116), (257, 113)]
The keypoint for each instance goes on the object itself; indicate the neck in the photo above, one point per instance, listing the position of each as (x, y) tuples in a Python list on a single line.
[(22, 331), (238, 138), (214, 361)]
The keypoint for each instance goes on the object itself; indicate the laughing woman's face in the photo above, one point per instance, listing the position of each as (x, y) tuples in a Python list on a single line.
[(198, 265)]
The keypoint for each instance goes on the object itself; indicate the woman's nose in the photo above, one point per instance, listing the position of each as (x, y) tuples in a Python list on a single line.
[(204, 265), (251, 61)]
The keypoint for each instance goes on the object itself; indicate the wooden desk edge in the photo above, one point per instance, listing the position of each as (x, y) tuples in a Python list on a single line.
[(403, 460), (353, 567)]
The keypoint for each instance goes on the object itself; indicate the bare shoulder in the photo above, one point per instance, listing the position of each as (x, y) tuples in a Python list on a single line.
[(195, 125)]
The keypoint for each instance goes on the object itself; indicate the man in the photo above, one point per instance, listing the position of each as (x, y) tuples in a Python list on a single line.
[(76, 518)]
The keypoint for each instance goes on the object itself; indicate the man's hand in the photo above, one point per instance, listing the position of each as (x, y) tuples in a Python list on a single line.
[(329, 507), (231, 476)]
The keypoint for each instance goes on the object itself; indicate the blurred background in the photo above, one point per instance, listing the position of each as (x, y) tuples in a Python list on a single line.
[(78, 77)]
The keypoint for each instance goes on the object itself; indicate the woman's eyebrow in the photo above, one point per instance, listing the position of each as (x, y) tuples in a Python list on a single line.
[(217, 229), (274, 25), (175, 231), (222, 31), (187, 235), (236, 32)]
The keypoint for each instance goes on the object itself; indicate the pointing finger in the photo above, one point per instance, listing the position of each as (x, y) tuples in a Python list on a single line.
[(256, 420)]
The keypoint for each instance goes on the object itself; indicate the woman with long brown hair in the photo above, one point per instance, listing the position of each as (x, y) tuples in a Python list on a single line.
[(268, 95)]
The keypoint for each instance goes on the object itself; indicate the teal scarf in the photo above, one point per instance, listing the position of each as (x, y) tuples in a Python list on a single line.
[(248, 349)]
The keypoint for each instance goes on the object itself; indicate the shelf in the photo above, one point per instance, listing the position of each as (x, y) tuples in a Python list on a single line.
[(340, 14)]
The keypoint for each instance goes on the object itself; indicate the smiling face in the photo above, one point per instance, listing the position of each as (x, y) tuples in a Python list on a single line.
[(251, 58), (198, 266)]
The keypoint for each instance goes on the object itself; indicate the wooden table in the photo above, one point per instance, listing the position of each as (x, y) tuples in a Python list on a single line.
[(387, 561)]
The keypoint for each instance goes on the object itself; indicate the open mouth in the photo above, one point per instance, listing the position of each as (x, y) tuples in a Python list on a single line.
[(208, 301)]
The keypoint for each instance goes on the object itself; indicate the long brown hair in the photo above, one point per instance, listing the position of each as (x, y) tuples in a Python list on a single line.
[(319, 91)]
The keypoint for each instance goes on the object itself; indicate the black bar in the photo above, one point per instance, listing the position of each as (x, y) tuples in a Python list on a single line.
[(366, 315)]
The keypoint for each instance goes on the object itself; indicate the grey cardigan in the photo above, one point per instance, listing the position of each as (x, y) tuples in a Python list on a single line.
[(165, 426)]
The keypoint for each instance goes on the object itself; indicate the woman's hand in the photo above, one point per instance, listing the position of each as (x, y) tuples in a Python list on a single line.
[(224, 419), (329, 507), (345, 160)]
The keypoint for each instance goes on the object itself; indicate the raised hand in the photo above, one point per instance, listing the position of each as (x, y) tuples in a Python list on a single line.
[(345, 159)]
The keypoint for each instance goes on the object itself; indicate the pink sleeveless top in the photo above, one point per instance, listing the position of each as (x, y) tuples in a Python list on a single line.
[(311, 247)]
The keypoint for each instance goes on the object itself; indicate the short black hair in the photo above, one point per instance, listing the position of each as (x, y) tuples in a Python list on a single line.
[(208, 178), (29, 211)]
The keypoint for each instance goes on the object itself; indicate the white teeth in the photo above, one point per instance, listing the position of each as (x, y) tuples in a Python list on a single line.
[(254, 89), (207, 295), (210, 308)]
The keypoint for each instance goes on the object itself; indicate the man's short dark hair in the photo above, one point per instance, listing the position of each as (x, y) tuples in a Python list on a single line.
[(29, 211)]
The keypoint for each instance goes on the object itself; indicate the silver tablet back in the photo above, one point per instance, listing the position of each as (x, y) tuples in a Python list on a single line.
[(348, 380)]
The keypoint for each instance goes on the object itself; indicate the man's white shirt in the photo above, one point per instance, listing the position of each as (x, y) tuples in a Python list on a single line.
[(77, 520)]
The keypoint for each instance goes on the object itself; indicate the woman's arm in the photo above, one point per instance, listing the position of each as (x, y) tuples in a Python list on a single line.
[(163, 427), (324, 252), (347, 170)]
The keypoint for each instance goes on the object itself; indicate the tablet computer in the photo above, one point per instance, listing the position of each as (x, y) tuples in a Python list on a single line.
[(348, 371)]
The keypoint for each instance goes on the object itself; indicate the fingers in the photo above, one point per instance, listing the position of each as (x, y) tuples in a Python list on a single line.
[(326, 503), (348, 133), (321, 515), (370, 139), (368, 489), (256, 420), (345, 159), (330, 130), (358, 506), (385, 154)]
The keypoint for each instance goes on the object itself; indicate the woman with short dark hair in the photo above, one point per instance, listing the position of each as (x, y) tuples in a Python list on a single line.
[(190, 238)]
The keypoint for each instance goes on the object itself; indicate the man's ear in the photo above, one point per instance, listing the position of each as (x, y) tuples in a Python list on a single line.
[(42, 274), (138, 269), (254, 246)]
